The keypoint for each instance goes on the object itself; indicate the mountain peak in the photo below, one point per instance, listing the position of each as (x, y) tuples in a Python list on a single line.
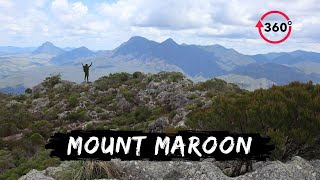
[(73, 55), (134, 38), (48, 48), (137, 40), (47, 43), (169, 41), (82, 48)]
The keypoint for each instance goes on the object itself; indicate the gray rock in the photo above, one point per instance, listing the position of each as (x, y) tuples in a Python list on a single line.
[(158, 125), (122, 103), (58, 86), (40, 103), (297, 168), (35, 175), (93, 115), (12, 103), (169, 170), (180, 117), (38, 89)]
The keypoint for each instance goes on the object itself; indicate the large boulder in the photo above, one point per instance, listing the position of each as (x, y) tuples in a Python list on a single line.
[(35, 175), (40, 103), (169, 170), (159, 125), (297, 168)]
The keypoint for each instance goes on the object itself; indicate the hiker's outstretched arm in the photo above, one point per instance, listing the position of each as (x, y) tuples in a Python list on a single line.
[(90, 64), (82, 64)]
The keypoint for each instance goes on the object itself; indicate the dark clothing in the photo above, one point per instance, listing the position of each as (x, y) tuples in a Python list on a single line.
[(86, 71)]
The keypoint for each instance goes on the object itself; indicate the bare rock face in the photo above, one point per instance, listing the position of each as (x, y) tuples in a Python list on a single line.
[(38, 89), (35, 175), (159, 125), (123, 104), (40, 102), (170, 170), (295, 169)]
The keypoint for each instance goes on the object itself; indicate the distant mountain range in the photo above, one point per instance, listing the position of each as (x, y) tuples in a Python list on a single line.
[(216, 60), (15, 50), (46, 47), (141, 54)]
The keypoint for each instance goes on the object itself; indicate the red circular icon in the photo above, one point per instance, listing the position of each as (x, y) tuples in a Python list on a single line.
[(259, 25)]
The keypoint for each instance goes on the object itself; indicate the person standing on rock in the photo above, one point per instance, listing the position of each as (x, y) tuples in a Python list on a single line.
[(86, 71)]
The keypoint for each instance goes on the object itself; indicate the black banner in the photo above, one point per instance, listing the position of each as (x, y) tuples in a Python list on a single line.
[(136, 145)]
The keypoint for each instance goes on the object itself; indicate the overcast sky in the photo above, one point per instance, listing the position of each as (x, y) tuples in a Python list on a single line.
[(100, 24)]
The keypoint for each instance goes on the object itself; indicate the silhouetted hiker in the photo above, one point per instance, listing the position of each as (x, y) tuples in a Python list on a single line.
[(86, 71)]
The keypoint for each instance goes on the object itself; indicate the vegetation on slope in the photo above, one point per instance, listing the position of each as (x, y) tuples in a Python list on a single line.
[(289, 114)]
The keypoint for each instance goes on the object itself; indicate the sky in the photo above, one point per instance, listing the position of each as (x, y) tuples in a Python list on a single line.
[(105, 24)]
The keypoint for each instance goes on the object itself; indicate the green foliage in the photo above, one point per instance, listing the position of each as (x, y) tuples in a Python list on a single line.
[(28, 91), (6, 160), (167, 76), (137, 75), (77, 116), (52, 80), (129, 95), (215, 86), (112, 81), (142, 114), (42, 127), (118, 79), (37, 139), (285, 113), (73, 100), (39, 161), (8, 129), (18, 116)]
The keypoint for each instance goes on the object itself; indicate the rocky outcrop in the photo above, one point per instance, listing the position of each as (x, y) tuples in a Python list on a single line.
[(158, 125), (35, 175), (295, 169), (170, 170)]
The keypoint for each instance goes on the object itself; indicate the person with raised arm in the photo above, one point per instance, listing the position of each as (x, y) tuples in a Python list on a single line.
[(86, 71)]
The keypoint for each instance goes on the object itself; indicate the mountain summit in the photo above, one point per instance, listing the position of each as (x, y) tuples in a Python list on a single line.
[(48, 48), (194, 60), (169, 42), (69, 56)]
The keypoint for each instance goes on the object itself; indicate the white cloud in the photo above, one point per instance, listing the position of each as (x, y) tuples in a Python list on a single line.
[(6, 3), (68, 13), (106, 25)]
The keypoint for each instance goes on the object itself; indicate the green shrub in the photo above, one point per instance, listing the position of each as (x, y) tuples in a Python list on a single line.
[(42, 127), (28, 91), (39, 161), (142, 114), (52, 80), (8, 129), (77, 116), (37, 139), (285, 113), (137, 75), (73, 100)]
